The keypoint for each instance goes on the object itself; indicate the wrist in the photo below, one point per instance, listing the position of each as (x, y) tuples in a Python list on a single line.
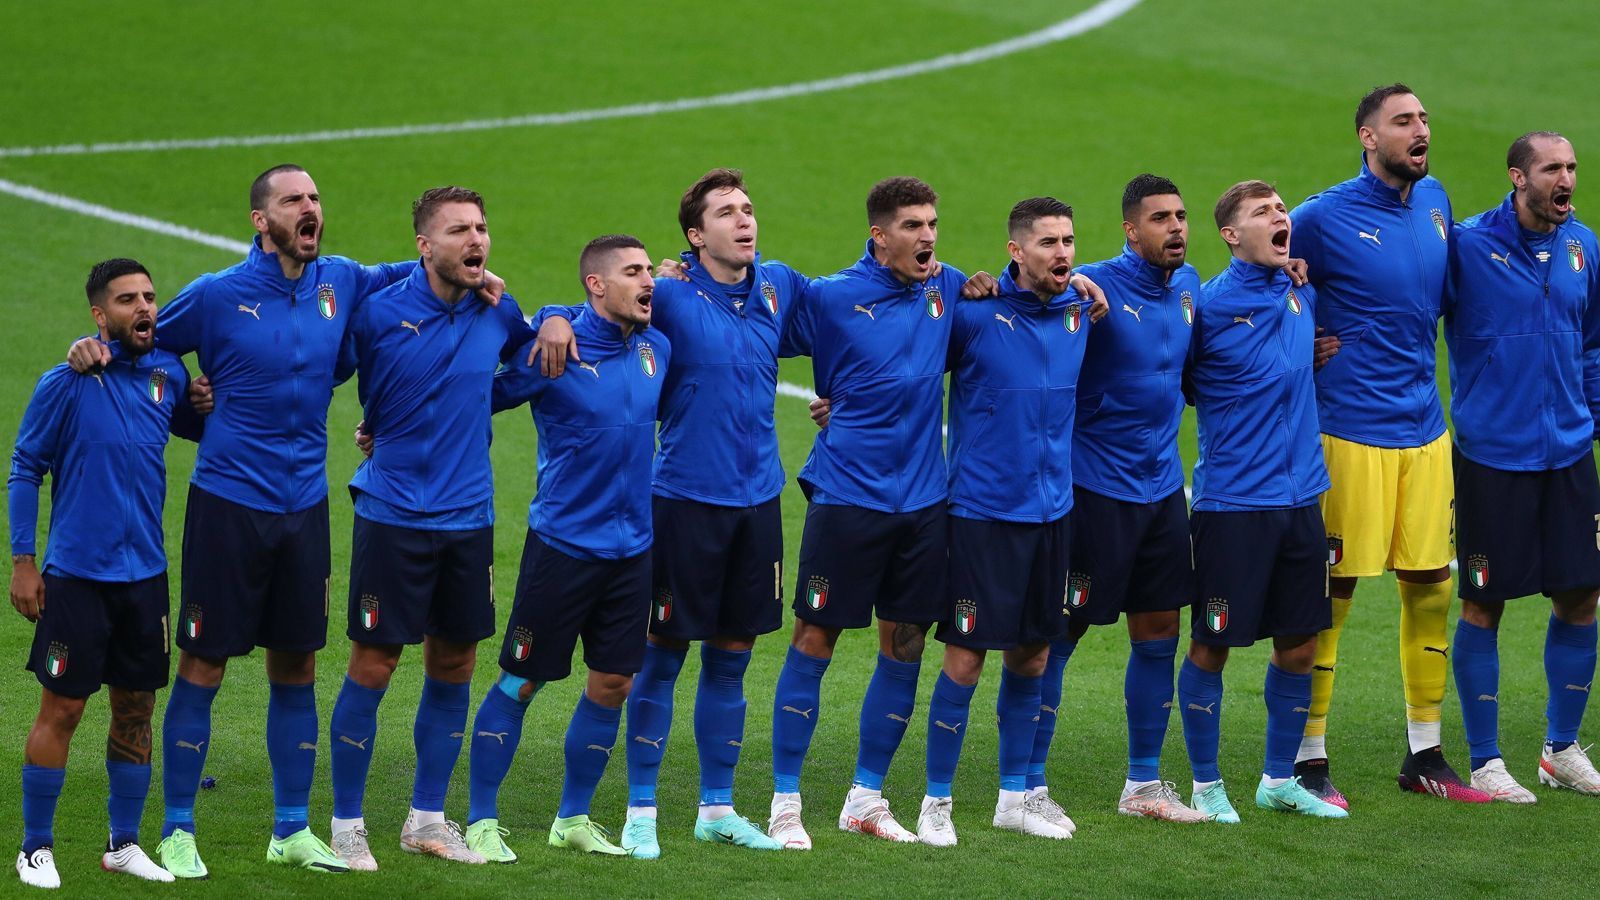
[(22, 559)]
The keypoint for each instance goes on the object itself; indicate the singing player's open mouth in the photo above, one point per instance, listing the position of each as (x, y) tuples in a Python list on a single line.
[(1280, 240)]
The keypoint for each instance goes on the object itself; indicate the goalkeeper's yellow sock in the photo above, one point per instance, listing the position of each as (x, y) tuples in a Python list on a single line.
[(1424, 659), (1313, 745)]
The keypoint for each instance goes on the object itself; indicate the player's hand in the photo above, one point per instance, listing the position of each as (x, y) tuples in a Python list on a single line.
[(937, 267), (1325, 348), (1098, 304), (672, 268), (27, 588), (201, 399), (556, 343), (821, 409), (363, 439), (981, 284), (493, 288), (89, 356), (1297, 270)]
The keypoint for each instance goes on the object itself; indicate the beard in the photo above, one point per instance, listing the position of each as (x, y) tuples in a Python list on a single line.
[(1400, 167), (286, 236)]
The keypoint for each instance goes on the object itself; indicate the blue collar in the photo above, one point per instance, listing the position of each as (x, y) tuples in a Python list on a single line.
[(1376, 186), (417, 283), (1258, 277), (1018, 296), (868, 265), (266, 264), (701, 276)]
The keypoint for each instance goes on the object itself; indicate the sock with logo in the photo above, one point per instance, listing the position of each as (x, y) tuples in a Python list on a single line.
[(1314, 743), (41, 788), (1050, 689), (1147, 696), (1569, 658), (1200, 708), (1477, 669), (1424, 659), (590, 737), (885, 712), (1288, 697), (130, 785), (496, 730), (292, 749), (719, 722), (352, 731), (440, 726), (1017, 708), (186, 738), (650, 720), (796, 705), (947, 727)]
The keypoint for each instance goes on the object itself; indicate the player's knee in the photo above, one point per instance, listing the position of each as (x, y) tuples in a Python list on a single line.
[(1342, 588), (518, 688), (1482, 614), (61, 713), (132, 708), (201, 671), (1028, 660), (373, 667), (1575, 607), (903, 641), (1153, 626), (1208, 657), (608, 688), (814, 640), (285, 667), (961, 665), (1295, 654)]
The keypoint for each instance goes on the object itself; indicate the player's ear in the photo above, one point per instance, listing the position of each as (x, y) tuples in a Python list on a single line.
[(1518, 180), (423, 248), (1129, 232), (1230, 234), (876, 234), (99, 314), (595, 285), (1015, 251), (1368, 137), (696, 240), (258, 221)]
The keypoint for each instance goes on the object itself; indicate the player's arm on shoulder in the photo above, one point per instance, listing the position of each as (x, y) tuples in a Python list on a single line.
[(194, 401), (556, 343), (518, 331), (372, 279), (799, 328), (519, 381)]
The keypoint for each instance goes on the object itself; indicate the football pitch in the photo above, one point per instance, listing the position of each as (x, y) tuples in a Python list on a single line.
[(1207, 93)]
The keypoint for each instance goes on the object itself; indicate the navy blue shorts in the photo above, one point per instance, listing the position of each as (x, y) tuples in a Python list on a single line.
[(1259, 574), (718, 570), (1006, 583), (1525, 533), (406, 583), (561, 598), (855, 562), (101, 632), (1129, 557), (252, 578)]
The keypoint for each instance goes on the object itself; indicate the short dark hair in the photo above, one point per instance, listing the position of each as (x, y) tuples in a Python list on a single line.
[(1142, 186), (600, 249), (891, 195), (692, 208), (103, 273), (424, 207), (261, 188), (1373, 101), (1031, 210), (1228, 205), (1520, 156)]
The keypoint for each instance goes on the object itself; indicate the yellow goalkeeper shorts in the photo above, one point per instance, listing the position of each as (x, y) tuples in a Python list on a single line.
[(1389, 507)]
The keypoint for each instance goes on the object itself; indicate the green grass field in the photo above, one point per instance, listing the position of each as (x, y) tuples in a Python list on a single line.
[(1206, 93)]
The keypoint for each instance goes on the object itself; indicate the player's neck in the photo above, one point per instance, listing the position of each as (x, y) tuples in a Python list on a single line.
[(877, 254), (1528, 220), (627, 328), (1398, 182), (292, 268), (721, 272), (1028, 284), (444, 290)]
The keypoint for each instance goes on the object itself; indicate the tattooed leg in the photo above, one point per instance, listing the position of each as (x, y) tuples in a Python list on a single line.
[(129, 738), (902, 641)]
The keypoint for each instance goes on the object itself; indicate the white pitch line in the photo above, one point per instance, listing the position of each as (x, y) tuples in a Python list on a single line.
[(1094, 17), (132, 220)]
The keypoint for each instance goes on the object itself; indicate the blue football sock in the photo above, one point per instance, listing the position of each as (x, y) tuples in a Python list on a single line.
[(1288, 698), (885, 712), (590, 736), (947, 728), (1477, 669), (292, 749), (650, 720), (1569, 656), (1018, 710), (1200, 706), (1050, 687), (796, 705), (352, 729), (495, 733), (440, 726), (1147, 697), (719, 721), (41, 788), (185, 741), (130, 785)]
